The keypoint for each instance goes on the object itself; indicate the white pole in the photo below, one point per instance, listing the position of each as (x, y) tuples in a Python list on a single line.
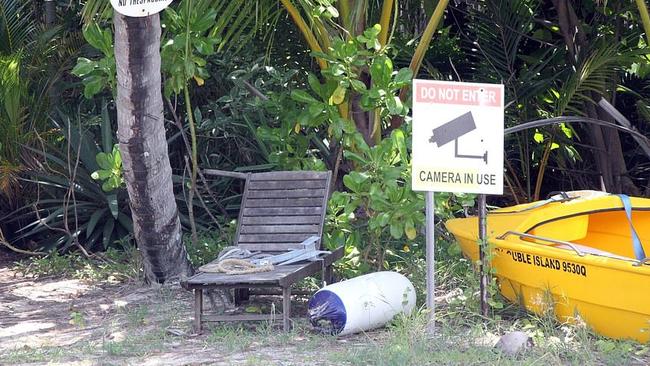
[(430, 258)]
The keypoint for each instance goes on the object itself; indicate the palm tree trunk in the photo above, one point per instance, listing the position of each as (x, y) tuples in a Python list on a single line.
[(50, 13), (141, 134)]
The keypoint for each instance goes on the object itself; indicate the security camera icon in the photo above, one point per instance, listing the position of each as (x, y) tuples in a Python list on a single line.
[(452, 131)]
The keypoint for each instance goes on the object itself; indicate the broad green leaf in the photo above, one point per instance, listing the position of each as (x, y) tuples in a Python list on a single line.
[(199, 61), (375, 44), (98, 38), (83, 67), (94, 218), (172, 18), (376, 93), (404, 76), (107, 186), (359, 177), (410, 232), (338, 96), (333, 11), (101, 174), (253, 309), (114, 181), (409, 229), (394, 105), (117, 157), (125, 221), (358, 85), (381, 70), (336, 70), (568, 132), (108, 231), (93, 84), (314, 83), (396, 230), (204, 22), (356, 157), (349, 183), (384, 218), (112, 204), (204, 48), (190, 68), (373, 31), (302, 96), (105, 161), (400, 144)]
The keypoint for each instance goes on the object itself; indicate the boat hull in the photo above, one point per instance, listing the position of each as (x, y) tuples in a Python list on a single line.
[(611, 296)]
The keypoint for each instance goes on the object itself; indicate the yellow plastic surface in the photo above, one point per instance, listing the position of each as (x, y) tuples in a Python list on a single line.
[(608, 292)]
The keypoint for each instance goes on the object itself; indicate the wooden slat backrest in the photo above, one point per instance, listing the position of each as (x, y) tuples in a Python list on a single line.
[(281, 209)]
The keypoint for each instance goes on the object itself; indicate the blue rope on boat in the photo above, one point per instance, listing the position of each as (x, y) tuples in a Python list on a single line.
[(636, 242)]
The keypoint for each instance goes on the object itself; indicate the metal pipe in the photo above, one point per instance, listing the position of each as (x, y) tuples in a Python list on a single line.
[(530, 236), (572, 119), (620, 118), (430, 260), (482, 248)]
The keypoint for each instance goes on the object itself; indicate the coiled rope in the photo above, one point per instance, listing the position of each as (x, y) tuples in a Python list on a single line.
[(232, 261)]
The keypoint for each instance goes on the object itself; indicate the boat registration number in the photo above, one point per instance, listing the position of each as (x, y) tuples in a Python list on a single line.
[(544, 262)]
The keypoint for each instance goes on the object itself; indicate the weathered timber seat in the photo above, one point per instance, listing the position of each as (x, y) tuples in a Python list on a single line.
[(279, 210)]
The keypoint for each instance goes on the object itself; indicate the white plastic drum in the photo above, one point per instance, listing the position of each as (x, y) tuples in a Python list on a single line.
[(361, 303)]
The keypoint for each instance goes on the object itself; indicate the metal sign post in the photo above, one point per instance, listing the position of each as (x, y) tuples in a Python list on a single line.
[(482, 242), (430, 259), (457, 147)]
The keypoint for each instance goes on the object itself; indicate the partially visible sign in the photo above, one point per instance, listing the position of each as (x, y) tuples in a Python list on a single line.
[(139, 8), (457, 137)]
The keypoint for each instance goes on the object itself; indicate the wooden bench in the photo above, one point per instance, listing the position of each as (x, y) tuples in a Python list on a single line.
[(279, 210)]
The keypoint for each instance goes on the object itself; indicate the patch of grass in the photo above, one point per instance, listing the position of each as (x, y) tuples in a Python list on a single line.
[(28, 354), (233, 338), (137, 315), (45, 354), (256, 360), (112, 265), (77, 319), (464, 337), (136, 344), (409, 344)]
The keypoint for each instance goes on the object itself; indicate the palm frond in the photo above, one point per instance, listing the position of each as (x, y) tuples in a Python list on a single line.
[(497, 30), (17, 25), (11, 109), (596, 72), (96, 10)]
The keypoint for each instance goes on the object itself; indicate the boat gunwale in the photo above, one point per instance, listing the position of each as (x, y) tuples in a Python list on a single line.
[(575, 214), (627, 265)]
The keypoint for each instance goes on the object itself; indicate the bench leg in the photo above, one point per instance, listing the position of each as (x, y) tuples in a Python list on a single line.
[(241, 295), (328, 275), (198, 309), (286, 308)]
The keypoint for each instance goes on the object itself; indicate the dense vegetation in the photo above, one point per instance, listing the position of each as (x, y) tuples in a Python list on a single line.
[(309, 84)]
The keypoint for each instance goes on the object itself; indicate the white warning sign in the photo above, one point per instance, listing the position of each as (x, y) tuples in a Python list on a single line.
[(139, 8), (457, 137)]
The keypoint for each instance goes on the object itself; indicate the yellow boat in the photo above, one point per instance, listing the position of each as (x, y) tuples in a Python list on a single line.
[(578, 249)]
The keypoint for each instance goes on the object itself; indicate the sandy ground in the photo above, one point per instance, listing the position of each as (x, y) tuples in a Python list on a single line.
[(64, 321)]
